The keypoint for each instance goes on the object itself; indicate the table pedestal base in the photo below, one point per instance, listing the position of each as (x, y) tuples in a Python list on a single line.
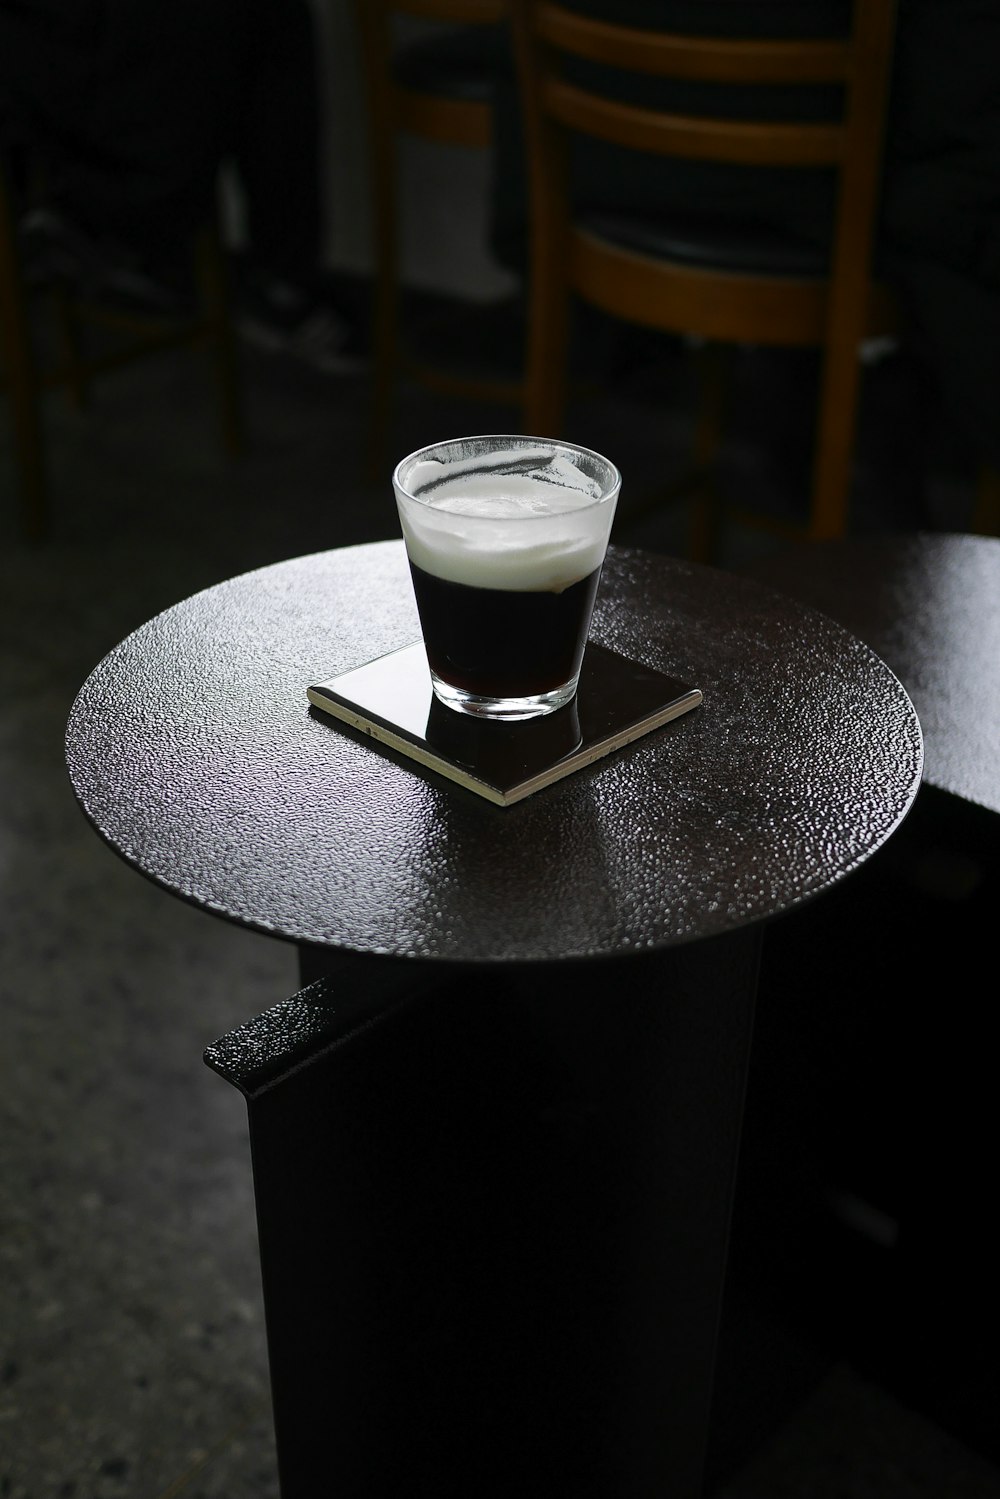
[(493, 1220)]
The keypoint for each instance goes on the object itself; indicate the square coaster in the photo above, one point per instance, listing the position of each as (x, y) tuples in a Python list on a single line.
[(392, 700)]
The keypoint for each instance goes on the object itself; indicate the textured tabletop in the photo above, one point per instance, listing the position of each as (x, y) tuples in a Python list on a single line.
[(930, 606), (192, 749)]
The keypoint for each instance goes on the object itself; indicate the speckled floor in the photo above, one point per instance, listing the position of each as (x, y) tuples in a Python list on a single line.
[(132, 1358)]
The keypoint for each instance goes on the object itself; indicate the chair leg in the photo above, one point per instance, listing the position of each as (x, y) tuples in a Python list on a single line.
[(547, 345), (986, 511), (213, 282), (695, 484), (21, 379), (835, 442), (546, 376), (69, 333), (706, 504)]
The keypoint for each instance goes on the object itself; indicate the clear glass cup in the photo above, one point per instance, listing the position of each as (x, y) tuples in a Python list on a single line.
[(506, 537)]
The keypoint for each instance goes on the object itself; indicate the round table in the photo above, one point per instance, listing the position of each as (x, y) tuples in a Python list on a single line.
[(493, 1199), (192, 750)]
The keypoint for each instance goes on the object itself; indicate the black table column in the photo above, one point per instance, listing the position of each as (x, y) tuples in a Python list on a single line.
[(493, 1225)]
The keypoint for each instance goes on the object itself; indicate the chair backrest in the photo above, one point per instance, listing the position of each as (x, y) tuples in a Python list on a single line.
[(548, 35), (424, 89), (797, 121)]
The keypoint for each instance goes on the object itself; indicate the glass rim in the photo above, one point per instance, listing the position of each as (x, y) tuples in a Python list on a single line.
[(514, 439)]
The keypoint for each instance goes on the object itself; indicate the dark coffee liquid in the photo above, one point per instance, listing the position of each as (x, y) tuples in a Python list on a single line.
[(496, 642)]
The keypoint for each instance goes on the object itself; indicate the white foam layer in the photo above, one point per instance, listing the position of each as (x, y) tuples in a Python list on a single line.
[(507, 530)]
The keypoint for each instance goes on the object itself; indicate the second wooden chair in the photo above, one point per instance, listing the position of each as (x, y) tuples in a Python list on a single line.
[(118, 335), (666, 272)]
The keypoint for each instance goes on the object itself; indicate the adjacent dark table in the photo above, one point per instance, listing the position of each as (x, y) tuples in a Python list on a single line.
[(495, 1138), (896, 1097), (929, 604)]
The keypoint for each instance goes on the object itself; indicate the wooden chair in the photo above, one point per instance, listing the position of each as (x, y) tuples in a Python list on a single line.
[(636, 270), (439, 88), (125, 335)]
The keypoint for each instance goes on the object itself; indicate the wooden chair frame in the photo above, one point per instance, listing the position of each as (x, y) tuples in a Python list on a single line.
[(395, 110), (134, 335), (834, 313)]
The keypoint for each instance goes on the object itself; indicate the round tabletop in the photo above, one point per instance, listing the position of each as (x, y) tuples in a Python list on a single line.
[(194, 753), (929, 604)]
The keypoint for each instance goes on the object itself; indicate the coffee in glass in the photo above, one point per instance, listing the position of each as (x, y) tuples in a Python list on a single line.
[(506, 537)]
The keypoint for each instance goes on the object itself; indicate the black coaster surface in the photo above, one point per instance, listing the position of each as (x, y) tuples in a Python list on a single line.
[(391, 699)]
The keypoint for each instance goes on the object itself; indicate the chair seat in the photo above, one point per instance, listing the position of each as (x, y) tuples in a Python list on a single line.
[(710, 244), (459, 65)]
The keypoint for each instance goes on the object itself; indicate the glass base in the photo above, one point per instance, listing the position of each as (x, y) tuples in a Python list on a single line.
[(503, 709)]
